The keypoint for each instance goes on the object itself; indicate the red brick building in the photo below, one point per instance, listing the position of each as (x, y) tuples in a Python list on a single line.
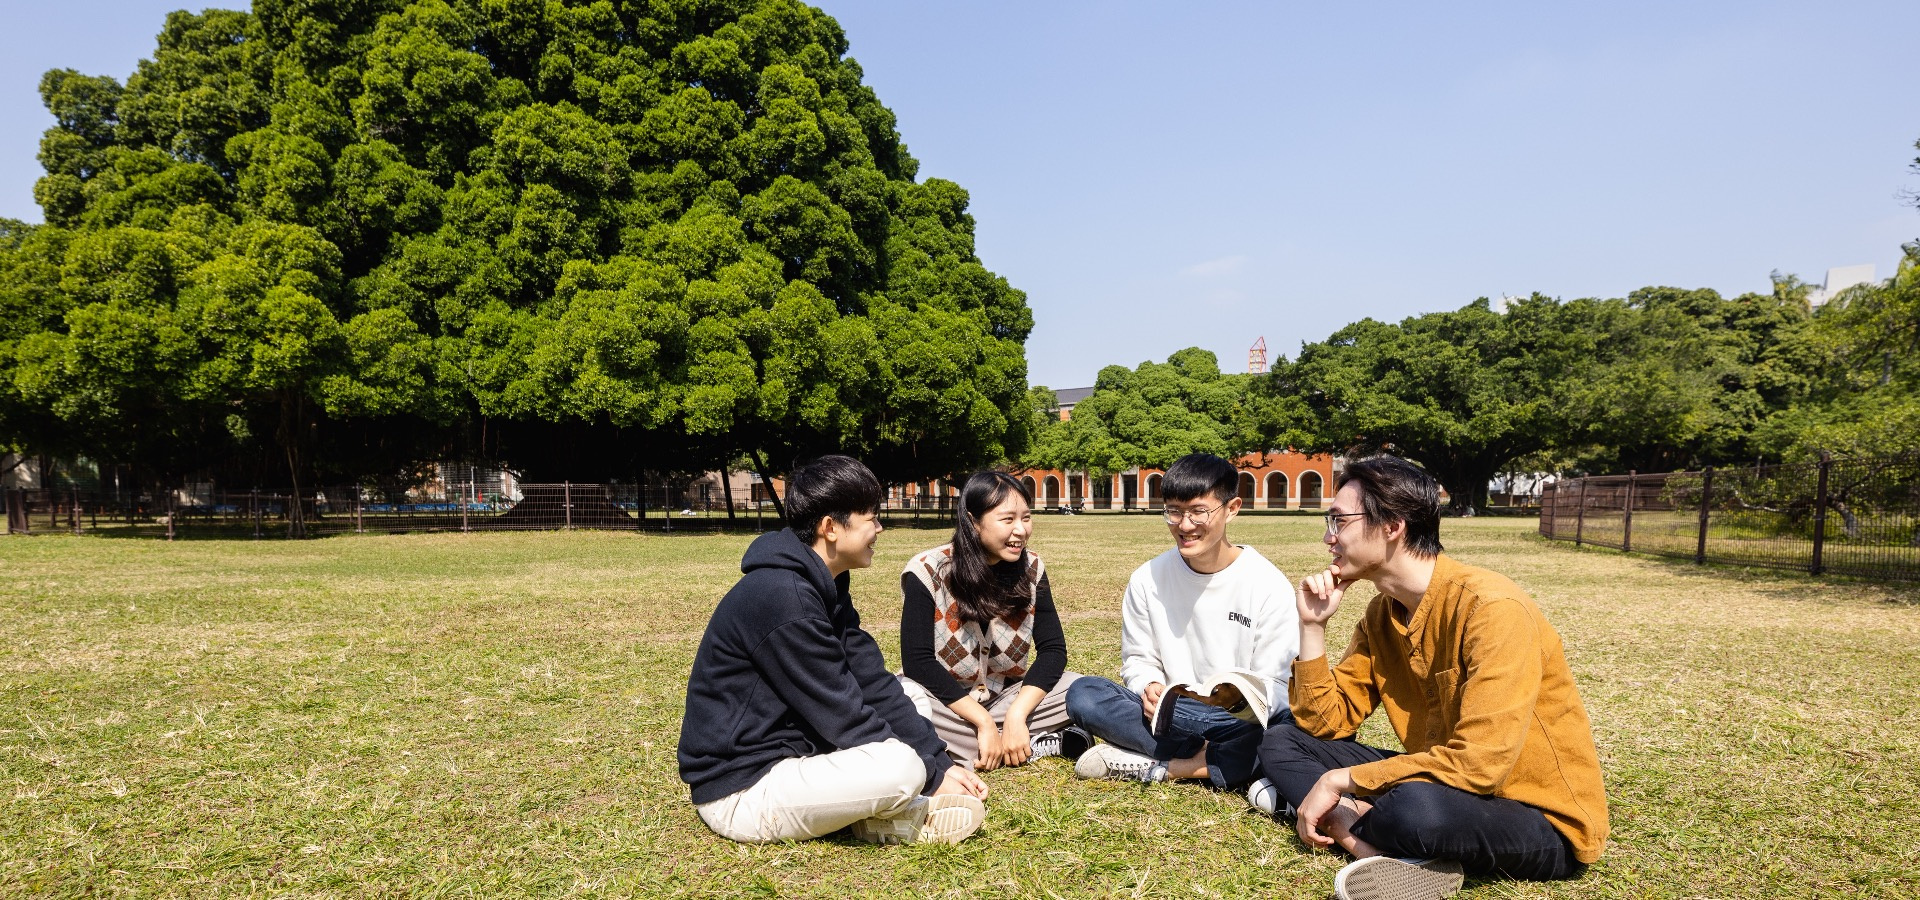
[(1277, 479), (1280, 479)]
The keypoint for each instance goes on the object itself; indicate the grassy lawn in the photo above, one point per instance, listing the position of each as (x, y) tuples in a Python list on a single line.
[(495, 714)]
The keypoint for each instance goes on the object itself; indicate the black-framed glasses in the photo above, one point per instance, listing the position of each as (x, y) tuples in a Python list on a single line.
[(1196, 516), (1333, 521)]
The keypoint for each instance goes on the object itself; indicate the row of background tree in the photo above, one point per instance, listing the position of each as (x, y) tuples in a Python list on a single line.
[(333, 240), (1663, 380), (330, 239)]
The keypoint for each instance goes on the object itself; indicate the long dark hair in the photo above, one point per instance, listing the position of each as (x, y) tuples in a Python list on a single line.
[(977, 590)]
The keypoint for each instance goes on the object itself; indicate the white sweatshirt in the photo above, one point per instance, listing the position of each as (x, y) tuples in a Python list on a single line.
[(1179, 626)]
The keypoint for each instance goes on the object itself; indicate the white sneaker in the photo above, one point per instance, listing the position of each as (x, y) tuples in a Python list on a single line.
[(1386, 878), (1108, 761), (1264, 796), (944, 819)]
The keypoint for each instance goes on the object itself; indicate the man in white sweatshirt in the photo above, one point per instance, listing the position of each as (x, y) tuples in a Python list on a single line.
[(1192, 614)]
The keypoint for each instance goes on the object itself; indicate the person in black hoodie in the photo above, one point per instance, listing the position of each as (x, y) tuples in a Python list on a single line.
[(794, 727)]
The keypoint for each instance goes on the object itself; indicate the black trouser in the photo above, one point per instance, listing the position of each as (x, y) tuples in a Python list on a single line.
[(1487, 835)]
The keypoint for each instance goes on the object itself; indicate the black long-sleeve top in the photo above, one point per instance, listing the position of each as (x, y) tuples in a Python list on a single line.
[(917, 659)]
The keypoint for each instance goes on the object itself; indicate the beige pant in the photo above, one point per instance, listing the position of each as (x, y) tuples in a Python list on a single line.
[(809, 796), (963, 744)]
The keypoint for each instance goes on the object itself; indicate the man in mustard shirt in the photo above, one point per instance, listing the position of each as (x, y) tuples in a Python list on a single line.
[(1499, 777)]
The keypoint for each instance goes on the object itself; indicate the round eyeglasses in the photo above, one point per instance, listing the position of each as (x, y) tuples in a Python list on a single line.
[(1196, 516), (1334, 523)]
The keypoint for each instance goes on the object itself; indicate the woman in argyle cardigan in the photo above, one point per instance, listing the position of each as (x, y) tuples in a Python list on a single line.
[(980, 642)]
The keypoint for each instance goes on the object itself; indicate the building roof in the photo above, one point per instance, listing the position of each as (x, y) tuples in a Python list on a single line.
[(1067, 397)]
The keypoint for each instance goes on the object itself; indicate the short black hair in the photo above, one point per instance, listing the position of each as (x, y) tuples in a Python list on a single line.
[(1199, 475), (830, 487), (1394, 490)]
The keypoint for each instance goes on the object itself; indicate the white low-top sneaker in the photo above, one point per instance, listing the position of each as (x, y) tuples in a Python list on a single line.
[(944, 819), (1108, 761), (1264, 796), (1386, 878)]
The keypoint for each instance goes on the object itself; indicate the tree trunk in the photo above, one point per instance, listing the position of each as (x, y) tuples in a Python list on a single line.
[(726, 487), (1851, 522), (760, 465), (1466, 483), (292, 412)]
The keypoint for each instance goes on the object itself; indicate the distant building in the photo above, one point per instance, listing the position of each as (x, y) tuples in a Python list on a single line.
[(1067, 397), (1839, 280), (1277, 479)]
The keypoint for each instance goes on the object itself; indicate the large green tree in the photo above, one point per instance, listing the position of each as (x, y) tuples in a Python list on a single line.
[(1678, 379), (583, 236), (1460, 392), (1149, 416), (1863, 397)]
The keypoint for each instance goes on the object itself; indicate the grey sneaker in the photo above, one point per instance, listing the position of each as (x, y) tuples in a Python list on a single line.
[(1386, 878), (1070, 742), (1108, 761), (945, 819)]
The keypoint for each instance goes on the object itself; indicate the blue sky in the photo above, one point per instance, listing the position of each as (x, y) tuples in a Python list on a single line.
[(1157, 176)]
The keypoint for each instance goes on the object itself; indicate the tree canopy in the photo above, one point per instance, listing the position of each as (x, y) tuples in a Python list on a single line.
[(1660, 380), (578, 237), (1863, 389), (1148, 416)]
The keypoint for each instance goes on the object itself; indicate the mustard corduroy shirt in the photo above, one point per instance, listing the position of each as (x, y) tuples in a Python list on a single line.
[(1477, 687)]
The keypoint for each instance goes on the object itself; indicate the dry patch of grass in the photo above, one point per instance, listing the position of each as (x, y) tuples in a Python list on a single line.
[(495, 714)]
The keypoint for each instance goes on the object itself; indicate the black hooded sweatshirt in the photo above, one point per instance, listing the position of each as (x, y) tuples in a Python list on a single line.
[(786, 671)]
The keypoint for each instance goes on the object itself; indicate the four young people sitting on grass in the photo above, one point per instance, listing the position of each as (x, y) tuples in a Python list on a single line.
[(794, 728)]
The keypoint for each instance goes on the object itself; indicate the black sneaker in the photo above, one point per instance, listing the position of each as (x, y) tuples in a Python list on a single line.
[(1069, 742)]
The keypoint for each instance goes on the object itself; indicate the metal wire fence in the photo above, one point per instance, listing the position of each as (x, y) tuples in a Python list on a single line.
[(191, 513), (1845, 517), (490, 504), (200, 512)]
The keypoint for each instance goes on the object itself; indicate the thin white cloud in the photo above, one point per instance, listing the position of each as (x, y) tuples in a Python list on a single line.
[(1214, 268)]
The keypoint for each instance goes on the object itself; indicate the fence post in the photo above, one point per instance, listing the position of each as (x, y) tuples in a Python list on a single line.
[(1820, 516), (359, 524), (256, 513), (73, 511), (172, 514), (566, 502), (463, 506), (1706, 503), (1580, 516), (1626, 526), (1546, 511)]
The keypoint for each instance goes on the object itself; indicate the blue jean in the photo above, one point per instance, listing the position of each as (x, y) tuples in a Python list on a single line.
[(1487, 835), (1114, 713)]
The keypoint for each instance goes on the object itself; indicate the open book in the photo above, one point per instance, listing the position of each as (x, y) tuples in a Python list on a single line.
[(1237, 691)]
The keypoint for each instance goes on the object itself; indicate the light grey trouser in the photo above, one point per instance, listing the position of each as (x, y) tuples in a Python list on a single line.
[(962, 743), (809, 796)]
